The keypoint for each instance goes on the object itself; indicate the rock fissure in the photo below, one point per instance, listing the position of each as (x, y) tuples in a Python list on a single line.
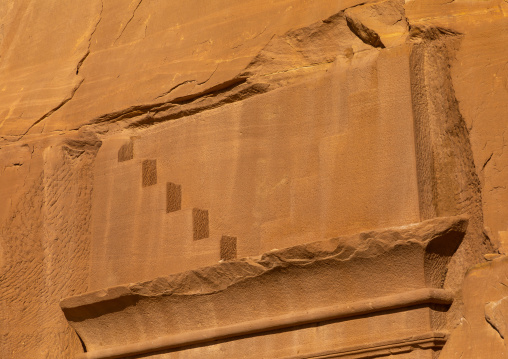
[(175, 87), (209, 77), (487, 161), (52, 111), (80, 63), (143, 113), (494, 315), (368, 36), (128, 21)]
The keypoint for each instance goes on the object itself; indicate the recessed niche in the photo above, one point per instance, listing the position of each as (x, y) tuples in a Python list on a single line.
[(200, 223), (149, 173), (173, 197), (227, 248)]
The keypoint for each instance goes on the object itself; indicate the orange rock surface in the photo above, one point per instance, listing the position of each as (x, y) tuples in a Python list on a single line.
[(170, 144)]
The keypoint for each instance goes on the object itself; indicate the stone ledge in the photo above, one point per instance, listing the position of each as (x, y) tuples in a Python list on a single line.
[(402, 300), (430, 340), (395, 273)]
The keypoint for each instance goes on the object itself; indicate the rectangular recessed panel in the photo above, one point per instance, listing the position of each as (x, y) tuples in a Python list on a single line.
[(227, 248), (126, 152), (149, 172), (173, 197), (200, 223)]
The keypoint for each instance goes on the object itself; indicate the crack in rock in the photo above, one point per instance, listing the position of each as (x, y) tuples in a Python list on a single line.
[(496, 314), (75, 88), (49, 113), (487, 161), (175, 87), (80, 63), (129, 21)]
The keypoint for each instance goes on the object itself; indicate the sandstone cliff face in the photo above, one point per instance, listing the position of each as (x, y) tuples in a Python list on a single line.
[(145, 138)]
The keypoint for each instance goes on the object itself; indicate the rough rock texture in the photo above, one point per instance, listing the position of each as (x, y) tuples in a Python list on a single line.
[(482, 329), (143, 138), (45, 243)]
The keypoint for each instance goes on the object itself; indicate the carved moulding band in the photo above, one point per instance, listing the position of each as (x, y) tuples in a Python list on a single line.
[(385, 348), (389, 302)]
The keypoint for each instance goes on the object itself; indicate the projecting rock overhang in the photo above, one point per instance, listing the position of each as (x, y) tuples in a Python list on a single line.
[(364, 295)]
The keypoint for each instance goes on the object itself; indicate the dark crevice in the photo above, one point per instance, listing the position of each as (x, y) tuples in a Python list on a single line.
[(82, 343), (487, 161), (162, 106), (243, 94), (212, 91), (368, 36)]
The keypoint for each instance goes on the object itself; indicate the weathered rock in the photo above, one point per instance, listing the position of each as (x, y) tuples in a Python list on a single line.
[(381, 24), (482, 329), (145, 138)]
